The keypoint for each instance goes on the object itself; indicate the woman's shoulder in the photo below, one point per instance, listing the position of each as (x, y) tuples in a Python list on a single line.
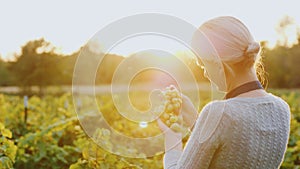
[(231, 106), (214, 110), (250, 101), (215, 105), (267, 97), (281, 101)]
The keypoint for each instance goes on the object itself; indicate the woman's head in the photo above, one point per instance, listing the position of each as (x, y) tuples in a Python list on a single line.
[(226, 42)]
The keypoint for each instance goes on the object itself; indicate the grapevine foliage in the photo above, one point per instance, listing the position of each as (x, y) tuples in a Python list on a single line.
[(7, 148), (53, 138)]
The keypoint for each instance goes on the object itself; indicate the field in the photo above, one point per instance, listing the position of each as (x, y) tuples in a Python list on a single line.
[(52, 137)]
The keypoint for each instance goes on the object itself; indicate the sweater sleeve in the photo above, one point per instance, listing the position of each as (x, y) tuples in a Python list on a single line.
[(203, 142)]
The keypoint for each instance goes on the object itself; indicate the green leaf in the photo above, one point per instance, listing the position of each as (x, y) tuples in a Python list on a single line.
[(76, 166), (6, 133), (1, 126), (5, 163)]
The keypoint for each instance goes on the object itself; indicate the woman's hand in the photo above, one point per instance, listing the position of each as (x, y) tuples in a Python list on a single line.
[(173, 140), (188, 111)]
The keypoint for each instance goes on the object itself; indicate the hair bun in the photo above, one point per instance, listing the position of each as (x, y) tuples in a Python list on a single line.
[(253, 48)]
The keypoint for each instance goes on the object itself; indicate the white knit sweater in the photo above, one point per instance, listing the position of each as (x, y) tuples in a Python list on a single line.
[(237, 133)]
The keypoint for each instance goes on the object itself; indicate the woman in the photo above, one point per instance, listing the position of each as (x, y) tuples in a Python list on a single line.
[(250, 127)]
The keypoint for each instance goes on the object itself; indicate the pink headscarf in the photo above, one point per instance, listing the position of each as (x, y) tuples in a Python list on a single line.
[(226, 37)]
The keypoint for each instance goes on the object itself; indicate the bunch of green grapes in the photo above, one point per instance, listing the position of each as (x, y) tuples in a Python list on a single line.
[(171, 113)]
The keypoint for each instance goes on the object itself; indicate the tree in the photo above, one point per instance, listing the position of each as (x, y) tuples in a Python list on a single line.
[(37, 65), (281, 64), (6, 77)]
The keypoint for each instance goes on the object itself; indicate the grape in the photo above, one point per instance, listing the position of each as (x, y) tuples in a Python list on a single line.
[(173, 119), (171, 113), (170, 107), (166, 116), (168, 122), (176, 127)]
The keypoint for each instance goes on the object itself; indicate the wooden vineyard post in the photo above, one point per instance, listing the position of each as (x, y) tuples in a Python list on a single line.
[(25, 108)]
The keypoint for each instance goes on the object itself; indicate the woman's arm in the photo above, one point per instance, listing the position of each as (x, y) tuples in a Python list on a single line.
[(203, 142)]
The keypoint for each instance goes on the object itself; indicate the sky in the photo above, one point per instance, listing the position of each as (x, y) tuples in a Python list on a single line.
[(70, 24)]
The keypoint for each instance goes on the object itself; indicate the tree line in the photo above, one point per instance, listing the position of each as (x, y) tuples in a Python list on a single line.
[(39, 65)]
